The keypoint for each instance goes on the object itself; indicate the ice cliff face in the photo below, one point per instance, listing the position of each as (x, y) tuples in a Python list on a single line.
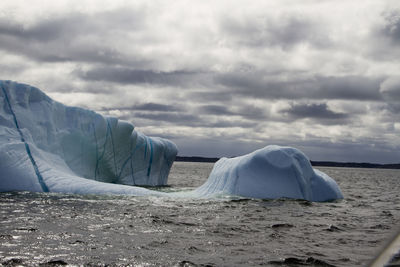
[(47, 146), (268, 173)]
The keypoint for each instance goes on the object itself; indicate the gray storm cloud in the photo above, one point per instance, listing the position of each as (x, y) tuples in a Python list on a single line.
[(318, 76)]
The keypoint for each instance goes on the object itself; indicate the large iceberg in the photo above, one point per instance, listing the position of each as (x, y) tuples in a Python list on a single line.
[(46, 146), (269, 173)]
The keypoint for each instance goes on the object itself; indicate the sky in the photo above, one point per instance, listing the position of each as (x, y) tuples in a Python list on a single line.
[(221, 78)]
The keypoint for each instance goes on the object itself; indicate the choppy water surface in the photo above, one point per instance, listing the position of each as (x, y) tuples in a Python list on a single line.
[(116, 230)]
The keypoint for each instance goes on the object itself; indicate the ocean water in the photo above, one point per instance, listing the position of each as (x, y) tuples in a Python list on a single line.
[(58, 229)]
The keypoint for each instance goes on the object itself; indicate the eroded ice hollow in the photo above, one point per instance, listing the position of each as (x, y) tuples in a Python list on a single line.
[(46, 146)]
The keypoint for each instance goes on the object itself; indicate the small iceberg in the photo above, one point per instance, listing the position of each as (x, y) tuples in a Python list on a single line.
[(269, 173)]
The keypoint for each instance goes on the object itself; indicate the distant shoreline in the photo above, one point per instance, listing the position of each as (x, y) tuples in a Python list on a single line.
[(313, 163)]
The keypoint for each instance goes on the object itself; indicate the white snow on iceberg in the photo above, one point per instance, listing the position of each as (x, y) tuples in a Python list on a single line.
[(269, 173), (47, 146)]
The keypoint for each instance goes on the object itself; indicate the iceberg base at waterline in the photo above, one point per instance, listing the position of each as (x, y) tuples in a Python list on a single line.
[(46, 146)]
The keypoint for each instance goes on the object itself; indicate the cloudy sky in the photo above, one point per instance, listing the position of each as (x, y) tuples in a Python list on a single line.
[(221, 78)]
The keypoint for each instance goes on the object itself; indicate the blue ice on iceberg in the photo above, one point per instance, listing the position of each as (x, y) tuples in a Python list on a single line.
[(46, 146)]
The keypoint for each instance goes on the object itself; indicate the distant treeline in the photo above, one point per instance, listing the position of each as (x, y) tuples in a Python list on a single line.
[(314, 163), (355, 165), (196, 159)]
